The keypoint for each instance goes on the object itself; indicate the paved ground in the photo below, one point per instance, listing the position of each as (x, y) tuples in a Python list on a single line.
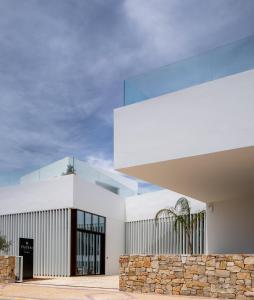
[(75, 288), (105, 282)]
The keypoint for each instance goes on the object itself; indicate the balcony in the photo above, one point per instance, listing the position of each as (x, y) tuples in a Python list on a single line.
[(217, 63), (196, 136), (193, 134), (69, 165)]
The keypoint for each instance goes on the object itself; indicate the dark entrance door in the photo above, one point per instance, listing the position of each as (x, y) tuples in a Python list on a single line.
[(26, 247), (90, 253), (88, 243)]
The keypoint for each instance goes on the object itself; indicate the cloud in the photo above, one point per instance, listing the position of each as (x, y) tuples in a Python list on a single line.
[(171, 30), (62, 66), (100, 161)]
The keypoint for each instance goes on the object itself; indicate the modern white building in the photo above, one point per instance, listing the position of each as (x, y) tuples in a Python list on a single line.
[(79, 224), (188, 127), (76, 221)]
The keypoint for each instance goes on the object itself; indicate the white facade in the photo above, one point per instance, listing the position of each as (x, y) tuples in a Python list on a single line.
[(49, 194), (145, 206), (40, 208), (198, 141), (94, 199), (212, 117), (230, 226)]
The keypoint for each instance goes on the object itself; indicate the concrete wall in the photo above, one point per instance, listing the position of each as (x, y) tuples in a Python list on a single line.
[(94, 199), (145, 206), (211, 117), (43, 195), (230, 226)]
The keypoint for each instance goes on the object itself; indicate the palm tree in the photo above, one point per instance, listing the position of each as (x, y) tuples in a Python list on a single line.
[(70, 170), (182, 215), (4, 245)]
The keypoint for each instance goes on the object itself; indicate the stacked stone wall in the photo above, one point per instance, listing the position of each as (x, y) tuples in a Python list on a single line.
[(218, 276), (7, 269)]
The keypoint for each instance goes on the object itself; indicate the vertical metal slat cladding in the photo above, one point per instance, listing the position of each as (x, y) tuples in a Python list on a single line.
[(150, 237), (49, 229)]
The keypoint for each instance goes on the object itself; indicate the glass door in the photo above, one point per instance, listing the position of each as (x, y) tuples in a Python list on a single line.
[(90, 244), (89, 253)]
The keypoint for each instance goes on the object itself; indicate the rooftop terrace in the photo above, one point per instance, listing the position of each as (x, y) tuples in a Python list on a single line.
[(220, 62), (111, 181)]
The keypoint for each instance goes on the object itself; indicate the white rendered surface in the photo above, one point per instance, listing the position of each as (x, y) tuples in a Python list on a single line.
[(42, 195), (94, 199), (72, 192), (211, 117), (145, 206), (230, 226), (126, 186)]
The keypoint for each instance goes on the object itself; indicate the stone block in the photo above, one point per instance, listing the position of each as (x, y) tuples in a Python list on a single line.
[(249, 260), (234, 269), (222, 273), (243, 275), (224, 276)]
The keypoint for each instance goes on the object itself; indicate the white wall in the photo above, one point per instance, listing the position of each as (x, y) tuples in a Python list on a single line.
[(95, 199), (230, 226), (42, 195), (72, 192), (211, 117), (145, 206)]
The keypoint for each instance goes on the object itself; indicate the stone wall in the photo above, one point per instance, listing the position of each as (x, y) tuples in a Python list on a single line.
[(218, 276), (7, 269)]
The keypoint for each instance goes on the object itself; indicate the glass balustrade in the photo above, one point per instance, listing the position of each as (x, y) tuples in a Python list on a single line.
[(220, 62)]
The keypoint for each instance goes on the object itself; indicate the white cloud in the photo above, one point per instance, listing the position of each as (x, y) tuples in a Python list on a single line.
[(62, 66), (100, 161)]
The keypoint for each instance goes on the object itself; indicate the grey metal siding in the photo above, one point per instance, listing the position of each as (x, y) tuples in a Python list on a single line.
[(151, 237), (50, 230)]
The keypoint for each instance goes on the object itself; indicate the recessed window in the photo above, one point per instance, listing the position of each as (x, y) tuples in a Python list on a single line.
[(80, 219), (90, 252), (88, 221)]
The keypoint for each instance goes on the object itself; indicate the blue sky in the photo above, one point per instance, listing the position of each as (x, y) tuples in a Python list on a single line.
[(63, 62)]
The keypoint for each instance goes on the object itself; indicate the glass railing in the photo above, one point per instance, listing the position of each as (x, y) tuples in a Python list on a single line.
[(69, 165), (222, 61), (26, 175)]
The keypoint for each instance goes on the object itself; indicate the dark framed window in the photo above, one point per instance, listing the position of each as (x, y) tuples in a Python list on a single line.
[(88, 243)]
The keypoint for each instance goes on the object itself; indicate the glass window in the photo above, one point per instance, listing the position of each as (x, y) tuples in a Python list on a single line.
[(80, 219), (90, 253), (101, 224), (108, 187), (95, 222), (88, 221)]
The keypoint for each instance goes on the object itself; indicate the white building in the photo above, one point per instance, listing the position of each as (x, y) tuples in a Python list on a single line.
[(188, 127), (145, 206), (79, 223), (75, 221)]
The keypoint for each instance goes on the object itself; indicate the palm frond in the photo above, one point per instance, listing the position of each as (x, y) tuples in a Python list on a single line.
[(182, 206), (167, 211)]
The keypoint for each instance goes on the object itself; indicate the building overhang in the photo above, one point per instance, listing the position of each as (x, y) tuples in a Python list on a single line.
[(218, 176)]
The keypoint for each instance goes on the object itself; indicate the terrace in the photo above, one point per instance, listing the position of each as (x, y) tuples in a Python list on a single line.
[(217, 63)]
